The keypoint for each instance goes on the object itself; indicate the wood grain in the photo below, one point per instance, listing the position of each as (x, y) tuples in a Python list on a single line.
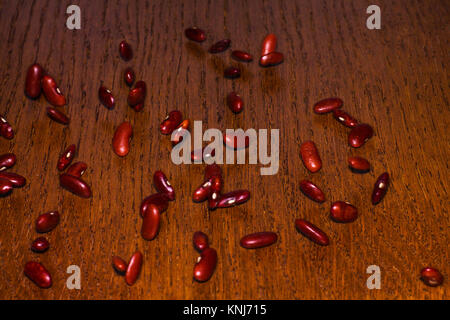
[(395, 79)]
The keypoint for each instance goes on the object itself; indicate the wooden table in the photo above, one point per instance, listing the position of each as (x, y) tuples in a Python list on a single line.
[(395, 79)]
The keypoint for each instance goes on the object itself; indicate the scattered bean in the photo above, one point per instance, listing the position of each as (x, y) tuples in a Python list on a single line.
[(178, 133), (204, 268), (150, 223), (46, 222), (195, 34), (233, 198), (172, 120), (67, 157), (5, 186), (312, 232), (310, 156), (6, 129), (232, 73), (343, 212), (269, 44), (327, 105), (119, 265), (7, 160), (134, 268), (37, 273), (52, 92), (129, 76), (121, 139), (77, 169), (57, 116), (137, 95), (271, 59), (163, 185), (380, 188), (220, 46), (40, 244), (106, 97), (358, 164), (344, 118), (259, 240), (312, 191), (359, 135), (15, 179), (125, 50), (159, 200), (242, 56), (33, 81), (200, 241), (235, 102), (431, 277), (75, 185)]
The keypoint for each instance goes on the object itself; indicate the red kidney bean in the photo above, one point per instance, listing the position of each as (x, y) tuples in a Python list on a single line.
[(46, 222), (344, 118), (6, 129), (67, 157), (150, 223), (77, 169), (137, 95), (204, 268), (220, 46), (213, 201), (201, 241), (232, 73), (359, 135), (7, 160), (106, 97), (203, 192), (172, 120), (242, 56), (129, 76), (212, 170), (236, 141), (195, 34), (134, 268), (205, 153), (57, 116), (358, 164), (33, 80), (40, 244), (312, 232), (15, 179), (233, 198), (271, 59), (343, 212), (159, 200), (379, 189), (121, 139), (310, 156), (269, 44), (163, 185), (125, 50), (327, 105), (37, 273), (75, 185), (235, 102), (259, 240), (5, 186), (119, 265), (431, 277), (52, 92), (178, 136), (312, 191)]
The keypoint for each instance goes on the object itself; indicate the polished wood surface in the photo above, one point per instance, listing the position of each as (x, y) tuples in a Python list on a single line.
[(395, 79)]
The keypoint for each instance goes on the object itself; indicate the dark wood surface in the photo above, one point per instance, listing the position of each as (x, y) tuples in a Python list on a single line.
[(395, 79)]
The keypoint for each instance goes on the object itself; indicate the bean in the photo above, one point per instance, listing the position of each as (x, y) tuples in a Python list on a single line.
[(232, 73), (312, 232), (358, 164), (269, 44), (220, 46), (212, 170), (310, 156), (205, 153), (327, 105), (380, 188), (67, 157), (359, 135), (15, 179), (343, 212), (271, 59), (204, 268), (75, 185), (213, 201), (106, 97), (134, 268), (5, 186), (344, 118), (242, 56), (235, 102), (150, 223), (259, 240), (33, 80), (195, 34), (172, 120), (37, 273), (129, 76), (40, 245), (178, 134), (203, 192), (236, 141), (137, 95), (159, 200), (312, 191), (233, 198), (6, 129), (125, 50), (163, 185), (77, 169), (121, 139), (52, 92), (200, 241), (57, 116), (7, 160), (46, 222), (119, 265), (431, 277)]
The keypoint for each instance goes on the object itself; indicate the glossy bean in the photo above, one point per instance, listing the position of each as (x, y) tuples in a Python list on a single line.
[(7, 160), (163, 185), (119, 265), (205, 154), (129, 76), (380, 188), (40, 245), (312, 232), (66, 158), (232, 73), (213, 201), (258, 240), (16, 180), (212, 170), (204, 268), (203, 192), (137, 95), (200, 241), (269, 44), (341, 211), (57, 116), (77, 169), (310, 156), (125, 50), (236, 141), (33, 80), (344, 118), (233, 198), (121, 139), (312, 191), (6, 129), (172, 120), (220, 46), (106, 97), (358, 164), (159, 200), (134, 268), (150, 223), (327, 105), (75, 185), (431, 277), (178, 133), (242, 56), (46, 222), (51, 91), (271, 59), (235, 102), (37, 273), (359, 135), (5, 186), (195, 34)]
